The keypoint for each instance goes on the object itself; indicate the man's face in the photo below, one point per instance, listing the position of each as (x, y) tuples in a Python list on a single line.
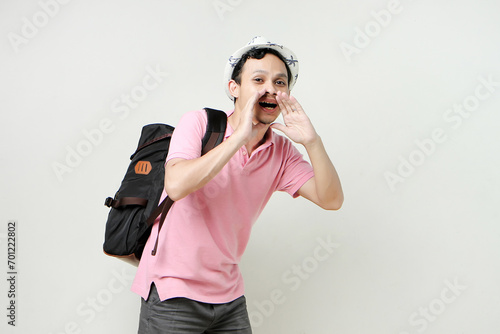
[(257, 74)]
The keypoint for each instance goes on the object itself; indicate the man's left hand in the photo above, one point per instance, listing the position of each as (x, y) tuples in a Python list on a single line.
[(297, 125)]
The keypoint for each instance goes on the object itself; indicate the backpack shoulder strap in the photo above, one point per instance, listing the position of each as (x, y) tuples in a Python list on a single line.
[(214, 135), (216, 129)]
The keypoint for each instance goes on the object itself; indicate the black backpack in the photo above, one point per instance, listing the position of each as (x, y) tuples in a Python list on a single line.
[(135, 206)]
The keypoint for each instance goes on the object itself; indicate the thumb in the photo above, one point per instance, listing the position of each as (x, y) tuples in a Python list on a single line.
[(279, 126)]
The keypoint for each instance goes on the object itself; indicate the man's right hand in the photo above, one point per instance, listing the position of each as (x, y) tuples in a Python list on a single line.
[(246, 127)]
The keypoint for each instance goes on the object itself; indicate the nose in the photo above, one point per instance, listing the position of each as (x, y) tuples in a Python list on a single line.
[(270, 88)]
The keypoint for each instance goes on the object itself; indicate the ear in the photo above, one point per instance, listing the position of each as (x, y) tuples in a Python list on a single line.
[(234, 89)]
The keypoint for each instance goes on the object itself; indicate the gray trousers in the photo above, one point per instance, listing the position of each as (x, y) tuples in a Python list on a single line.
[(182, 315)]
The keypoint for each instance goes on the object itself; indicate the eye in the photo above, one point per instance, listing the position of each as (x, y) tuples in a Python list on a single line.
[(258, 80), (281, 82)]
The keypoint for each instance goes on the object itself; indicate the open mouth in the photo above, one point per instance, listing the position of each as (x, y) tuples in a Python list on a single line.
[(268, 105)]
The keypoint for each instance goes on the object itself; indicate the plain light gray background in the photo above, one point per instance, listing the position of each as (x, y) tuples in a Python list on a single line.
[(405, 95)]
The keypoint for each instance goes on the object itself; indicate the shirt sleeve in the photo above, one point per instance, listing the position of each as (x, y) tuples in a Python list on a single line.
[(187, 136), (296, 171)]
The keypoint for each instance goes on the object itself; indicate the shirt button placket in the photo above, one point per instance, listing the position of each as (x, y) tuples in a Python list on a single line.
[(244, 157)]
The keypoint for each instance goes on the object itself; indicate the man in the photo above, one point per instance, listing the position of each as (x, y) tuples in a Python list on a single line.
[(193, 284)]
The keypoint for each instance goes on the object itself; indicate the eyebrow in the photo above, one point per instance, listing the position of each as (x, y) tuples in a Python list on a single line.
[(279, 75)]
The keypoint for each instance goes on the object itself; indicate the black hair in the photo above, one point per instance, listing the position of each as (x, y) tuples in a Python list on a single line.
[(257, 54)]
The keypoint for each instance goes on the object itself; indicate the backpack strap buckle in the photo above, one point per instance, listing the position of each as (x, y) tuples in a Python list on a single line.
[(109, 202)]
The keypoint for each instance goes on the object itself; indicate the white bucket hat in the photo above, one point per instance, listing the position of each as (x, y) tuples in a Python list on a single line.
[(260, 42)]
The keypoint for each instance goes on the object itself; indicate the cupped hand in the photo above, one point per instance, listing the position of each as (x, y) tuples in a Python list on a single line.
[(297, 125)]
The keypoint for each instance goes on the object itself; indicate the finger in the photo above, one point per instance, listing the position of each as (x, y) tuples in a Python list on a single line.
[(281, 104), (256, 96), (278, 126), (248, 111), (285, 103), (292, 104), (296, 105)]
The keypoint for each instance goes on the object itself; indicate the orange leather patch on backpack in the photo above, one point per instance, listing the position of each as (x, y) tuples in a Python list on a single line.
[(143, 167)]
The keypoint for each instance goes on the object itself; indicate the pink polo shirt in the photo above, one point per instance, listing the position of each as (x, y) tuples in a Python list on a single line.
[(206, 233)]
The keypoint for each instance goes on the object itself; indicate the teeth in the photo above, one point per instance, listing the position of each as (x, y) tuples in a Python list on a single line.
[(268, 105)]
